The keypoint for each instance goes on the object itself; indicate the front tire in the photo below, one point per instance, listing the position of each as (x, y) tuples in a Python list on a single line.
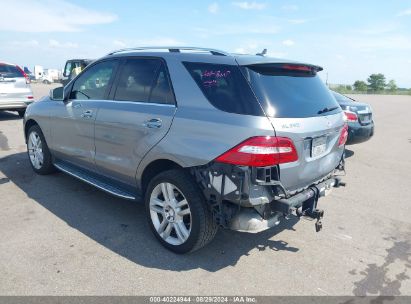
[(38, 151), (177, 212)]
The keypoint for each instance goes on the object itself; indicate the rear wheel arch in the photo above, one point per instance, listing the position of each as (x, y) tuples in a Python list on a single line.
[(154, 168)]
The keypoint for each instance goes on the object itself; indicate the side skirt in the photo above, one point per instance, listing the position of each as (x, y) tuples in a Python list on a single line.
[(96, 181)]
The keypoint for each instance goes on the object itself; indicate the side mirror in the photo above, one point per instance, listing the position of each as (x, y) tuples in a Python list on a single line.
[(57, 93)]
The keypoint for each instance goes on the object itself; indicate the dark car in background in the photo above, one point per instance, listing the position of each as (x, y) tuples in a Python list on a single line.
[(359, 118)]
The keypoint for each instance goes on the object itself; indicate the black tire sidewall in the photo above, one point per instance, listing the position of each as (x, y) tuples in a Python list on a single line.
[(189, 189)]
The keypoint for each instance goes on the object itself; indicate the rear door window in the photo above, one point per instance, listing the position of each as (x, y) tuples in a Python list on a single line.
[(225, 87), (291, 91), (144, 80)]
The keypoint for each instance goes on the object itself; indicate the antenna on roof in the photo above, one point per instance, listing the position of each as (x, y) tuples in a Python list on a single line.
[(263, 53)]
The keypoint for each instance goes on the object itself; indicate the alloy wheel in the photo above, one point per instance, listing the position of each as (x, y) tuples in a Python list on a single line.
[(35, 148), (170, 213)]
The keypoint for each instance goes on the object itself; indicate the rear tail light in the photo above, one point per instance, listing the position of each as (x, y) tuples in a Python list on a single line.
[(343, 136), (24, 74), (261, 151), (350, 116), (30, 97)]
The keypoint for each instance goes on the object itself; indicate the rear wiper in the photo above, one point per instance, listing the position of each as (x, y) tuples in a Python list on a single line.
[(325, 110)]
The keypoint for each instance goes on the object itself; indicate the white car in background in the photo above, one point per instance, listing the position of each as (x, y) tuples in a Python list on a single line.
[(15, 90), (46, 78)]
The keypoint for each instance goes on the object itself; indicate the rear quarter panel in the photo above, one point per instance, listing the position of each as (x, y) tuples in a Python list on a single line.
[(198, 136)]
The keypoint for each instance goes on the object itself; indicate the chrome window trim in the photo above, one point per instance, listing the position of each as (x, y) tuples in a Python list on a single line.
[(142, 103)]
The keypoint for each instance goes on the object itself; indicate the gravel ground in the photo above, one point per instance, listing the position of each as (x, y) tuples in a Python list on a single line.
[(62, 237)]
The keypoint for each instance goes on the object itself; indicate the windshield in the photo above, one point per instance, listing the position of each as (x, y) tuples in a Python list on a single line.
[(290, 93)]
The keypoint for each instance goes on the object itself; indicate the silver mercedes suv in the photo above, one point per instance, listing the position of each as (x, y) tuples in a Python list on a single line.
[(205, 138)]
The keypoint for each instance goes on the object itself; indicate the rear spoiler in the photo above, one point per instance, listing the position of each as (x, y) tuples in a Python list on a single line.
[(297, 69)]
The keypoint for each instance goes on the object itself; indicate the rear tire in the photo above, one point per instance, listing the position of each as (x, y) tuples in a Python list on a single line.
[(180, 219), (38, 152)]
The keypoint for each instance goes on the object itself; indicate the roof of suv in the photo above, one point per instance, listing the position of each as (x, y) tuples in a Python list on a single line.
[(199, 54), (7, 63)]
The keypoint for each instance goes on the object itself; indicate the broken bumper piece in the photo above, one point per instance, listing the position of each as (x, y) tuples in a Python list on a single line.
[(253, 199), (249, 220), (301, 204)]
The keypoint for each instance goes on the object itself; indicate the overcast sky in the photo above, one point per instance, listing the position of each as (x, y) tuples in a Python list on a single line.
[(350, 39)]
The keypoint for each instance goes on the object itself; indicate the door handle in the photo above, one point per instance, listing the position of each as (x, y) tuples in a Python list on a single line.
[(153, 123), (87, 114)]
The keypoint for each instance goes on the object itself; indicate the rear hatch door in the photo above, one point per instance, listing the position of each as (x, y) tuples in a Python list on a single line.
[(301, 108)]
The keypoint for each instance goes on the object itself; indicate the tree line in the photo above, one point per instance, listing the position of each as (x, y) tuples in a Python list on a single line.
[(376, 84)]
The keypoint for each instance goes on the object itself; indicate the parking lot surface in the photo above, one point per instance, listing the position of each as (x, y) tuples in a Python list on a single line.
[(59, 236)]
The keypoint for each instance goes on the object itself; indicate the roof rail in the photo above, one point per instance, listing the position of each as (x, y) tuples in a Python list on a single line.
[(172, 49)]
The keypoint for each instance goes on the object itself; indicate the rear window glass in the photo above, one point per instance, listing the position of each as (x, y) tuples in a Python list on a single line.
[(225, 87), (9, 71), (144, 80), (290, 93)]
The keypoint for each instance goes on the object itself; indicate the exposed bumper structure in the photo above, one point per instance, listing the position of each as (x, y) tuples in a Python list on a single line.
[(301, 204), (253, 199), (249, 220)]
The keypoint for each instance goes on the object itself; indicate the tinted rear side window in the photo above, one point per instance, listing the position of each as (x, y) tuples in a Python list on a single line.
[(290, 93), (9, 71), (144, 80), (225, 87)]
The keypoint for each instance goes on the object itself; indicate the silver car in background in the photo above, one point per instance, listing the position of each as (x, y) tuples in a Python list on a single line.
[(15, 90), (205, 138)]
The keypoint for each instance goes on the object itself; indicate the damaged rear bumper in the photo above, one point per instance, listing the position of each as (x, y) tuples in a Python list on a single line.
[(301, 204), (253, 199)]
